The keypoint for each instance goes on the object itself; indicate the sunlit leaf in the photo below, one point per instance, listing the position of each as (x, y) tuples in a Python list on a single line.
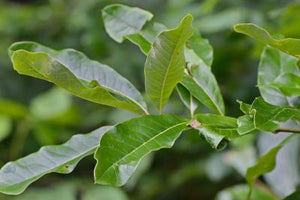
[(165, 62), (17, 175), (290, 46), (122, 148), (74, 72)]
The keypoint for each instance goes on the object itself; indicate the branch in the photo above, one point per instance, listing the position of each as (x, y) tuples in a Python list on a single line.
[(286, 130)]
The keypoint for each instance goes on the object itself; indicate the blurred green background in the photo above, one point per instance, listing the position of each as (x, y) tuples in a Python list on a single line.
[(34, 113)]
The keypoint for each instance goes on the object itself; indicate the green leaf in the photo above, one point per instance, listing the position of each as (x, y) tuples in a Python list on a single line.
[(264, 164), (74, 72), (51, 104), (216, 129), (289, 84), (187, 99), (165, 62), (203, 86), (245, 125), (16, 176), (272, 76), (294, 196), (290, 46), (267, 116), (121, 20), (12, 109), (5, 126), (124, 22), (239, 192), (202, 48), (122, 148)]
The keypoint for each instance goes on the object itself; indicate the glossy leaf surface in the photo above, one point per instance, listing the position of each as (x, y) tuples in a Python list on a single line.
[(273, 80), (74, 72), (267, 116), (203, 86), (216, 128), (124, 22), (188, 100), (290, 46), (121, 21), (17, 175), (165, 62), (122, 148)]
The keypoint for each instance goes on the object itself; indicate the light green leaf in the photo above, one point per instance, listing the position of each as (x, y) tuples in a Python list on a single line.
[(264, 164), (121, 20), (187, 99), (239, 192), (216, 129), (74, 72), (51, 104), (12, 109), (124, 22), (5, 126), (165, 62), (202, 48), (290, 46), (16, 176), (245, 124), (267, 116), (203, 86), (289, 84), (122, 148), (273, 67)]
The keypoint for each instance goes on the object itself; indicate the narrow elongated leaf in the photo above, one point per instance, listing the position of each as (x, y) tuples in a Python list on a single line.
[(272, 81), (165, 62), (74, 72), (204, 87), (16, 176), (217, 129), (122, 148), (264, 164), (124, 22), (121, 20), (290, 46)]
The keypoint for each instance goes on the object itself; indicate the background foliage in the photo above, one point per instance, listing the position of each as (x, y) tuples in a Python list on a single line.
[(41, 114)]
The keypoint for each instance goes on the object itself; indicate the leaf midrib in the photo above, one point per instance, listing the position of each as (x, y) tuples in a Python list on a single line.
[(168, 68), (209, 96), (137, 148)]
